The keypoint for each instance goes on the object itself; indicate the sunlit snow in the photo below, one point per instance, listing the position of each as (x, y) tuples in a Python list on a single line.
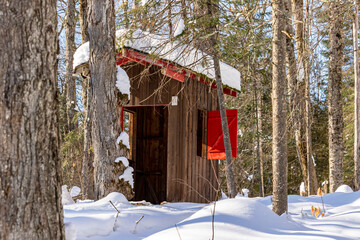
[(239, 218)]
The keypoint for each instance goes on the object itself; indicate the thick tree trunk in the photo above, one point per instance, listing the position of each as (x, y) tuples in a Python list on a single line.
[(83, 8), (105, 100), (30, 172), (357, 99), (336, 123), (279, 110), (70, 80)]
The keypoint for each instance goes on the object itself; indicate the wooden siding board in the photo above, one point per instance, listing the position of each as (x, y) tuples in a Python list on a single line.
[(183, 164)]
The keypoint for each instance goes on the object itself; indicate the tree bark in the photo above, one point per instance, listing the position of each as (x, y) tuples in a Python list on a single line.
[(87, 173), (301, 106), (83, 8), (357, 99), (279, 111), (30, 172), (212, 12), (312, 180), (170, 25), (259, 137), (70, 80), (126, 15), (105, 101), (183, 10), (336, 123)]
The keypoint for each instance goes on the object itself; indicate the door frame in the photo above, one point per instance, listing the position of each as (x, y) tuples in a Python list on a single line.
[(133, 110)]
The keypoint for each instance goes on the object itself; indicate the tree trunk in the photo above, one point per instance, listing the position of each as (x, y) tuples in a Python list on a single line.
[(87, 173), (311, 173), (212, 13), (336, 123), (279, 111), (259, 136), (83, 8), (183, 10), (70, 80), (105, 100), (301, 106), (30, 172), (126, 15), (357, 99), (170, 25)]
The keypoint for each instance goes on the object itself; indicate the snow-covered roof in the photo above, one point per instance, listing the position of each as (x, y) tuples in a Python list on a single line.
[(175, 51)]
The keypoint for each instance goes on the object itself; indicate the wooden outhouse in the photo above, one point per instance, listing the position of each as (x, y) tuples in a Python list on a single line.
[(174, 126)]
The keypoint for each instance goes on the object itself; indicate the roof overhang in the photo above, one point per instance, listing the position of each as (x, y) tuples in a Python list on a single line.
[(168, 68)]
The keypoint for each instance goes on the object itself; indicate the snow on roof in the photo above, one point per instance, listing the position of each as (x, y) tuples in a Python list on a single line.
[(177, 52)]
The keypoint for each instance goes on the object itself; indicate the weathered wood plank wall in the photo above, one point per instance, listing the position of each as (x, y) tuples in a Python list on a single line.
[(189, 177)]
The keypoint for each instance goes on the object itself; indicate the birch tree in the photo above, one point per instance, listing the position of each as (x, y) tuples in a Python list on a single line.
[(30, 172)]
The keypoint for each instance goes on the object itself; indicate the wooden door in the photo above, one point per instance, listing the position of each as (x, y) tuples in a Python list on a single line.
[(151, 154)]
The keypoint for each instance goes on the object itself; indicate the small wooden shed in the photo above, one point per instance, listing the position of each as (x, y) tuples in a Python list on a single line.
[(174, 126)]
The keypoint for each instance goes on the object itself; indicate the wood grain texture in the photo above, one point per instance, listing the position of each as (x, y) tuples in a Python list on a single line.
[(189, 177)]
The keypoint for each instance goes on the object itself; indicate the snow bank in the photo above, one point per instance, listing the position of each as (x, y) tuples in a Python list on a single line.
[(81, 55), (103, 204), (115, 197), (65, 196), (122, 81), (233, 218), (344, 189), (241, 218), (239, 195), (180, 53), (70, 231), (96, 220), (124, 139)]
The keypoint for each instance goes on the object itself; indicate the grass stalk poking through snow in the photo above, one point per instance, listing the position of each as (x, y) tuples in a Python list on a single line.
[(114, 228)]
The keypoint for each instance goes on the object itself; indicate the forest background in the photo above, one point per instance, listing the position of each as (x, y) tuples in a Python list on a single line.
[(245, 34)]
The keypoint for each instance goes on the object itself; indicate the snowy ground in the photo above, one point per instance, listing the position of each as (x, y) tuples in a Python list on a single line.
[(239, 218)]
